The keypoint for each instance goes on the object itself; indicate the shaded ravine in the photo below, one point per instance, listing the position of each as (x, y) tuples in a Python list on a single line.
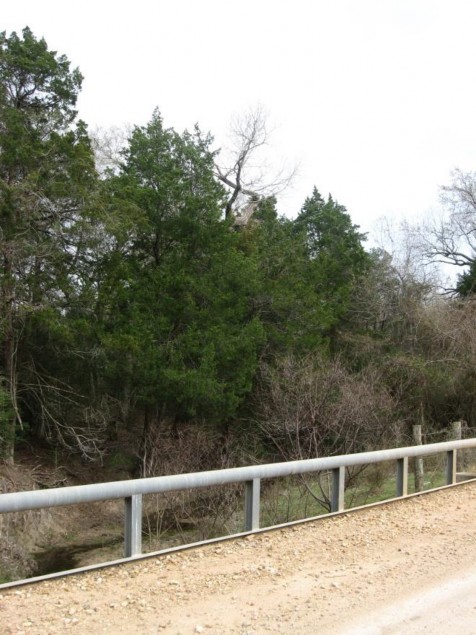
[(65, 557)]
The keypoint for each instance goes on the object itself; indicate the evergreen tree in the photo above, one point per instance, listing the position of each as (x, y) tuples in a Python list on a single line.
[(46, 172), (336, 256), (181, 304), (466, 283)]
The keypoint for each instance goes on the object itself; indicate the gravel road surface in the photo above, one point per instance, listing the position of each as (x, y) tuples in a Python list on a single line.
[(388, 569)]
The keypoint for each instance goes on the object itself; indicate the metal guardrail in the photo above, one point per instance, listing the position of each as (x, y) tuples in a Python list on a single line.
[(133, 490)]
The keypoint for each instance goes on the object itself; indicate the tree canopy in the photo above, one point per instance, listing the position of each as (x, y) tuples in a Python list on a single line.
[(166, 293), (46, 176)]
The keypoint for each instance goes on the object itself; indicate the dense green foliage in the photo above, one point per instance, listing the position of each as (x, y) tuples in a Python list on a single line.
[(130, 301), (46, 178), (466, 285)]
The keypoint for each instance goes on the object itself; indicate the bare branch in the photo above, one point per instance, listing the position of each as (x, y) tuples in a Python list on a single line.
[(247, 174), (107, 144), (451, 239)]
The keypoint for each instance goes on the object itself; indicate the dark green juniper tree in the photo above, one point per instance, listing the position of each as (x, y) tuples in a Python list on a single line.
[(181, 306), (309, 268), (336, 255), (46, 172)]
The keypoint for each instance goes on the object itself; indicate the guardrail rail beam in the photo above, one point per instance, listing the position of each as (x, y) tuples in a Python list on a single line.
[(131, 491)]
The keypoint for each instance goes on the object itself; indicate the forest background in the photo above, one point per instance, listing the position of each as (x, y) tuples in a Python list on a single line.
[(151, 295)]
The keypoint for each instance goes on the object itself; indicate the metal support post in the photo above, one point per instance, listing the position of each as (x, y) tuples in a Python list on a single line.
[(402, 476), (338, 485), (133, 525), (451, 467), (252, 504)]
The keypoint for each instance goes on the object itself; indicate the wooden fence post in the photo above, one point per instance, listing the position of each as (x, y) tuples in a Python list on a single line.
[(418, 461), (457, 435)]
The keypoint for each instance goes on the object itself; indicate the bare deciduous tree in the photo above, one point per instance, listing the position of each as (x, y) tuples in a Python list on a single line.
[(450, 239), (189, 448), (107, 145), (245, 171), (314, 407)]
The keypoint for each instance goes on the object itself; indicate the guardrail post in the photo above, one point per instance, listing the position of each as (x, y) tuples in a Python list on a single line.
[(133, 525), (402, 476), (338, 485), (451, 467), (252, 504)]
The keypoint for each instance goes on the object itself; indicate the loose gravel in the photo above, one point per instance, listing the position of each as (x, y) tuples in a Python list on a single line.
[(320, 576)]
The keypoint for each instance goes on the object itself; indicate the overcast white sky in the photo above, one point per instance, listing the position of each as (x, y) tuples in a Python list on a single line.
[(376, 99)]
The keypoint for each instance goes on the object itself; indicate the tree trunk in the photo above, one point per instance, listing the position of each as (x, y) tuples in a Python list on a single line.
[(9, 424)]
